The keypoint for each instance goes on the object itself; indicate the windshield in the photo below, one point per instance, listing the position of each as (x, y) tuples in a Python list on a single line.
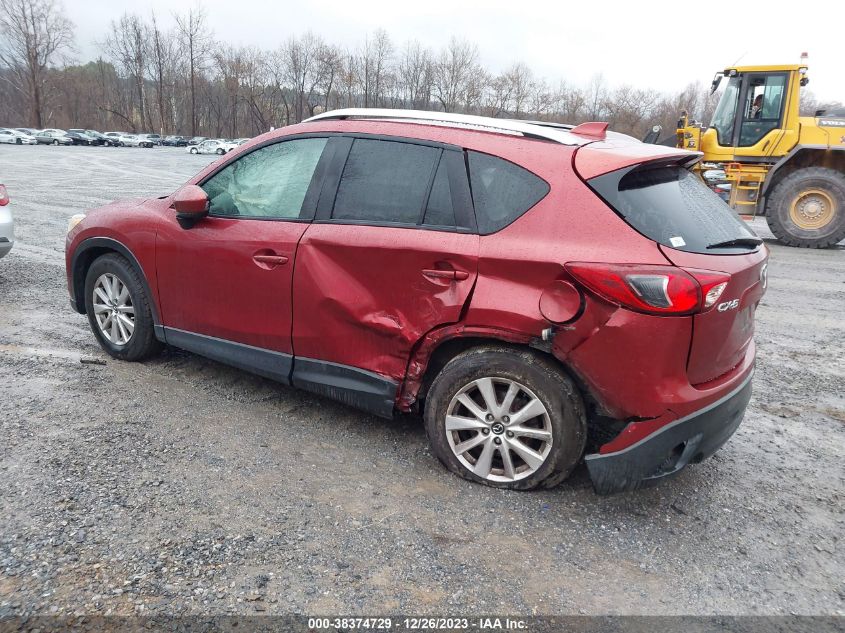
[(673, 206), (725, 114)]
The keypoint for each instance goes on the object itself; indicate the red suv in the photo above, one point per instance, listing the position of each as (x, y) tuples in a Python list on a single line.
[(541, 293)]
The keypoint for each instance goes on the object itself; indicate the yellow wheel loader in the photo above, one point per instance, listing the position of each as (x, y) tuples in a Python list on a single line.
[(788, 167)]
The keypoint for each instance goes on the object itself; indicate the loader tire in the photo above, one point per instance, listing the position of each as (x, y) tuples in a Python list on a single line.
[(807, 208)]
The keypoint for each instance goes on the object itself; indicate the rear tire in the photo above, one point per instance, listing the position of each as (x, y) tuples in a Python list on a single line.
[(488, 446), (142, 342), (221, 151), (807, 208), (55, 141)]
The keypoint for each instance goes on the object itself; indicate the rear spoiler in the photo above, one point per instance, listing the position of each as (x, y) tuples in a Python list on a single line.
[(602, 157)]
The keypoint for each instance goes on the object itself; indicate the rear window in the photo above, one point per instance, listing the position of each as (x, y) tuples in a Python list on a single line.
[(501, 191), (672, 206)]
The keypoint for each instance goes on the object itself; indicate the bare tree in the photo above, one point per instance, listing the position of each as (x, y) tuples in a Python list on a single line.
[(126, 45), (162, 62), (195, 40), (34, 34), (373, 66), (521, 79), (414, 76), (595, 98), (455, 75), (302, 68), (331, 68)]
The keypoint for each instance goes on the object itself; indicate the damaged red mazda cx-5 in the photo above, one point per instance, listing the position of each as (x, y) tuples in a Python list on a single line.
[(541, 293)]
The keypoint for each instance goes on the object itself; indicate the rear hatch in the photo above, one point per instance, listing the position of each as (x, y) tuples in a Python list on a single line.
[(664, 201)]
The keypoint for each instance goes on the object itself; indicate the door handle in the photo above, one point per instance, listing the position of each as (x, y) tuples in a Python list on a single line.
[(454, 275), (270, 260)]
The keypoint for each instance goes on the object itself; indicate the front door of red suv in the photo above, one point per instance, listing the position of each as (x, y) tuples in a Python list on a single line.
[(391, 255), (225, 283)]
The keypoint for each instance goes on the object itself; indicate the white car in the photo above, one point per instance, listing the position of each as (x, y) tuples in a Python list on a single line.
[(212, 146), (16, 138), (7, 226), (134, 140)]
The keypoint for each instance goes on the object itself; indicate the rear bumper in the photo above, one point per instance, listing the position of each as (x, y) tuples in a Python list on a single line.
[(667, 451)]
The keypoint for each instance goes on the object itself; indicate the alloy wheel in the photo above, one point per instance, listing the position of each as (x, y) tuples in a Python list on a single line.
[(113, 309), (499, 429)]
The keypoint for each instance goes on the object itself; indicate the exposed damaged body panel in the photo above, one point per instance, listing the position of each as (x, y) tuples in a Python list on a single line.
[(366, 295)]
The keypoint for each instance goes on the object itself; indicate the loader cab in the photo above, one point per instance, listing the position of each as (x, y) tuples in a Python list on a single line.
[(757, 115)]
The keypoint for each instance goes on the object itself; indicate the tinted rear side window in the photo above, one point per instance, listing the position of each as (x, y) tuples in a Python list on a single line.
[(672, 206), (385, 182), (501, 191)]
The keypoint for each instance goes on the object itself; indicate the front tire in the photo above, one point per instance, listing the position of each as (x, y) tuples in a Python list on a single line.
[(193, 150), (807, 208), (221, 151), (119, 310), (55, 141), (506, 418)]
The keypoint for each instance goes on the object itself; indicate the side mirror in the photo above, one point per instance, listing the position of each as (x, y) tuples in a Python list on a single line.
[(191, 204)]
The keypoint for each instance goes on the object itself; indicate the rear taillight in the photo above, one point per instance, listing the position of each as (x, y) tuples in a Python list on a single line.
[(652, 289), (4, 196)]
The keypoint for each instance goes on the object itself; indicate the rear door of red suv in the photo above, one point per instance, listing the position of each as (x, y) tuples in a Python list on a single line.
[(392, 254), (668, 203)]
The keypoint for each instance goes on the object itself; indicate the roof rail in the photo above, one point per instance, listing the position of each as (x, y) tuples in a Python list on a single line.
[(501, 126)]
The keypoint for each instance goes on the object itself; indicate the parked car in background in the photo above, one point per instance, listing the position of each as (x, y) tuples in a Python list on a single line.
[(155, 139), (175, 141), (106, 140), (96, 137), (212, 146), (399, 279), (15, 137), (28, 130), (81, 138), (134, 140), (53, 137), (196, 140), (241, 141), (7, 224)]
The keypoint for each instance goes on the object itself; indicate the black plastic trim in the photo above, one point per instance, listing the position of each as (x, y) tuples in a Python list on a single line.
[(77, 300), (264, 362), (356, 387), (656, 457)]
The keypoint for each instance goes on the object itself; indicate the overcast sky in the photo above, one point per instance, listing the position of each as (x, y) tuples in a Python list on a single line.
[(661, 45)]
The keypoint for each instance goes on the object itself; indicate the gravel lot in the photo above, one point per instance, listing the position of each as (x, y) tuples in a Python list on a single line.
[(181, 486)]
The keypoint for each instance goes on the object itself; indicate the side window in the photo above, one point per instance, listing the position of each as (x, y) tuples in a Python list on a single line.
[(270, 182), (501, 191), (762, 107), (385, 181)]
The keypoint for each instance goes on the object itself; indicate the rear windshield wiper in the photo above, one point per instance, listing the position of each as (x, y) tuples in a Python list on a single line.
[(739, 241)]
